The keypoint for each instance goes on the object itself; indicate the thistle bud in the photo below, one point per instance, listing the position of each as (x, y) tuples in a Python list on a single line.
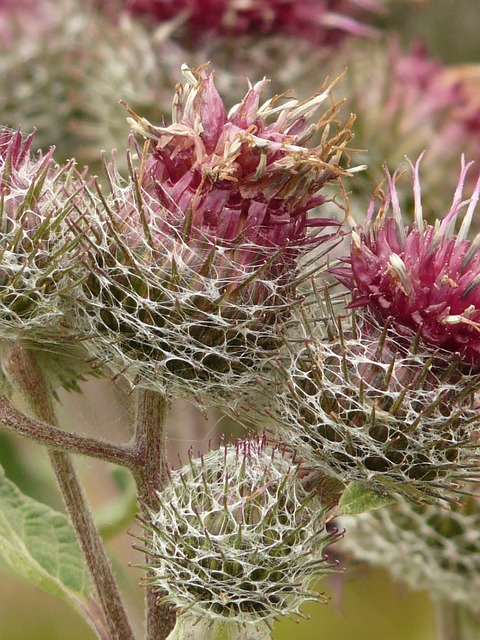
[(33, 236), (385, 397), (236, 539), (37, 253)]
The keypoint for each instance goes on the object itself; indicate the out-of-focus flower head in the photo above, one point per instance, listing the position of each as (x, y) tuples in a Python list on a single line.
[(323, 22), (54, 80), (369, 412), (464, 124), (236, 539), (27, 16), (194, 261), (428, 547), (39, 42), (422, 278), (412, 105)]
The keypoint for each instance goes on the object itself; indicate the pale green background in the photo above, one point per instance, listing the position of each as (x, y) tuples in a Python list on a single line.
[(372, 609)]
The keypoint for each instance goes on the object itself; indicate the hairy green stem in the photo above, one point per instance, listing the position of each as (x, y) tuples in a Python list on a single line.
[(150, 476), (92, 546), (144, 456), (456, 622), (23, 372), (196, 629)]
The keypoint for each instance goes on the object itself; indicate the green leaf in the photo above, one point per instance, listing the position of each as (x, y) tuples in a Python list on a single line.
[(115, 516), (40, 544), (357, 499)]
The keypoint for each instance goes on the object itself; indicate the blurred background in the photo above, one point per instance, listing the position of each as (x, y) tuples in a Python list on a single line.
[(63, 68), (365, 604)]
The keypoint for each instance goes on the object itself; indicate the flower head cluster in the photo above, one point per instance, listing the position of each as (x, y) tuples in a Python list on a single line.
[(317, 20), (425, 546), (194, 260), (423, 277), (361, 408), (236, 538)]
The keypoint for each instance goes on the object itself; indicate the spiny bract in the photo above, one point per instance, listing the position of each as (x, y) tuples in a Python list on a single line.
[(236, 537)]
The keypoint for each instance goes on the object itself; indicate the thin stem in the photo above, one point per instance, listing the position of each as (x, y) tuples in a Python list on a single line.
[(149, 444), (23, 371), (93, 613), (445, 615), (54, 437), (456, 622), (92, 546)]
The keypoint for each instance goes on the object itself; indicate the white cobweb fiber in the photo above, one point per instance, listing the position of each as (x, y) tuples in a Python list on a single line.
[(174, 309), (236, 536), (360, 406)]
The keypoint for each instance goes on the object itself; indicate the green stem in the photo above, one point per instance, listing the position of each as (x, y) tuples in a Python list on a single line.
[(457, 622), (22, 369), (198, 629), (150, 476)]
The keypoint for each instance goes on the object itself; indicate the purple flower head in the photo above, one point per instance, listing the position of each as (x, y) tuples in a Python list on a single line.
[(244, 178), (37, 254), (423, 277), (195, 259), (463, 127), (29, 16), (416, 75), (320, 21), (413, 103)]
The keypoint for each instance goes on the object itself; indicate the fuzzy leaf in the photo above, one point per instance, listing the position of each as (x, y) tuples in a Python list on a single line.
[(357, 499), (116, 515), (40, 544)]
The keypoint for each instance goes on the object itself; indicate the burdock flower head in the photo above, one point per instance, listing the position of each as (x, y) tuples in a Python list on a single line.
[(37, 251), (194, 261), (246, 174), (378, 418), (236, 541), (423, 278), (384, 397), (317, 20), (35, 197)]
